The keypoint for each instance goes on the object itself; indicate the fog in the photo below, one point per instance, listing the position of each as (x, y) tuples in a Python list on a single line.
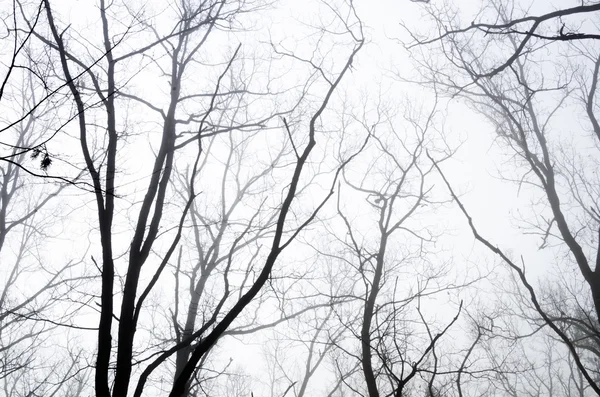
[(277, 198)]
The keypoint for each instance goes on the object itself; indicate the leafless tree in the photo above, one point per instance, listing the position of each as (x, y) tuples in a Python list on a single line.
[(514, 352), (39, 291), (385, 277), (190, 120), (522, 72), (231, 188)]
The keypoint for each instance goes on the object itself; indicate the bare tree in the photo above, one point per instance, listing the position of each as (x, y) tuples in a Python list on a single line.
[(384, 269), (38, 293), (513, 352), (505, 71), (190, 120)]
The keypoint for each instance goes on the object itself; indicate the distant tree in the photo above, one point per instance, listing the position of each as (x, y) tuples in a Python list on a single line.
[(397, 188), (178, 177), (379, 266), (30, 92), (523, 73), (37, 289), (210, 110)]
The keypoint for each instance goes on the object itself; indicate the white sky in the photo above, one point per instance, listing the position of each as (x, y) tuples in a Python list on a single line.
[(473, 171)]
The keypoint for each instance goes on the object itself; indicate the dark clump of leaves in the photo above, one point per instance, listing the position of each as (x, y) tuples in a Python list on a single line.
[(45, 160)]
